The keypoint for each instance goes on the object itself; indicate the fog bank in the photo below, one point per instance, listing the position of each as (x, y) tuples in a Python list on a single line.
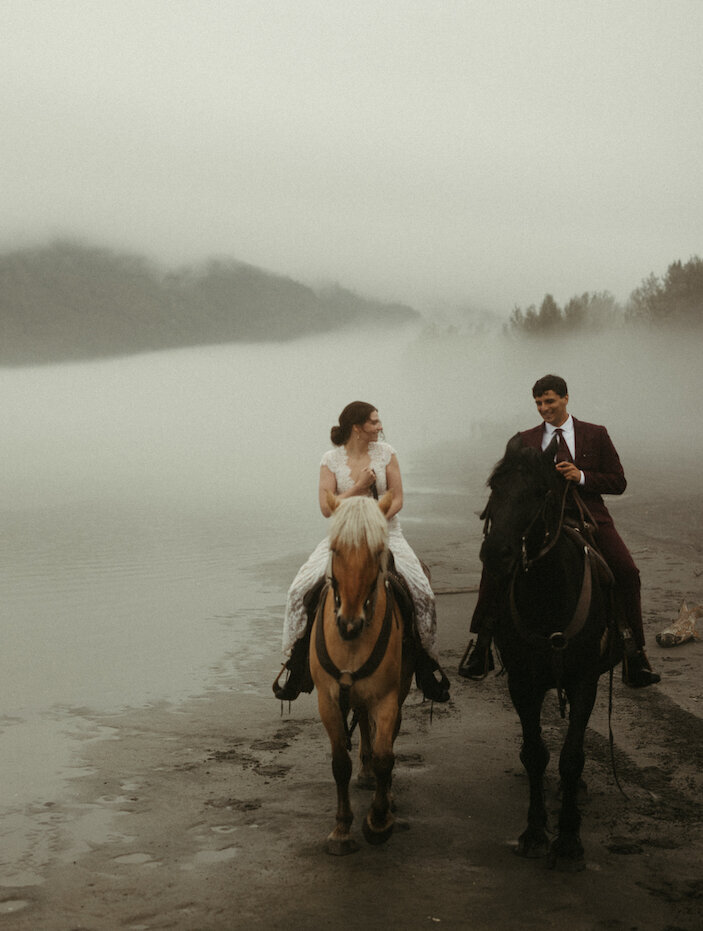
[(245, 425)]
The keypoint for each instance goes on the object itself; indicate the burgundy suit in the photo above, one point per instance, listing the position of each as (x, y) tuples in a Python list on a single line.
[(597, 458)]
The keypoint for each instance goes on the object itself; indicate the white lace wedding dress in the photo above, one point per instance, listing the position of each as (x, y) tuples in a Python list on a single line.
[(406, 562)]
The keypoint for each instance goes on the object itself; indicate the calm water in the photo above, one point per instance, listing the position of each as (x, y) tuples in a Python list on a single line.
[(140, 508)]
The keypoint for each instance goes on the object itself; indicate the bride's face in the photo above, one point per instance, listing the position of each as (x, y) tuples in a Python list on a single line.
[(371, 429)]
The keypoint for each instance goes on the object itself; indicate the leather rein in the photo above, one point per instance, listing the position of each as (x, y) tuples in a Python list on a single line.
[(346, 678), (558, 640)]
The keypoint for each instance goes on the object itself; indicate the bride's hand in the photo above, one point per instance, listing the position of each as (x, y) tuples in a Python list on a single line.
[(367, 478)]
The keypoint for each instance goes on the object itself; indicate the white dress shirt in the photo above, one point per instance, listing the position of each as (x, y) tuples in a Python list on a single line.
[(567, 430)]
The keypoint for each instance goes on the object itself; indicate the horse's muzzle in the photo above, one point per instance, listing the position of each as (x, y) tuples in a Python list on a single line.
[(499, 558), (349, 628)]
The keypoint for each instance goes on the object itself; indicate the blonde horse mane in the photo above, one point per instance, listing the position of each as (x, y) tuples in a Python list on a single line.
[(357, 521)]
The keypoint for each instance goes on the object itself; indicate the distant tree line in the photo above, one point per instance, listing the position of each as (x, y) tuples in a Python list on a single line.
[(69, 301), (676, 299)]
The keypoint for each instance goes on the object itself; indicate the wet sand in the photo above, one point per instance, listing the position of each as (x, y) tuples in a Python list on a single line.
[(212, 814)]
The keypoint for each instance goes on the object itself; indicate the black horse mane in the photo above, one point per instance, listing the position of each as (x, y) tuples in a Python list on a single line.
[(527, 460), (516, 453)]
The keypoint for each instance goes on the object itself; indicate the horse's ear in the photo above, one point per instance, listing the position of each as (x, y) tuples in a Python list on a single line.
[(385, 502), (332, 502), (514, 445), (550, 452)]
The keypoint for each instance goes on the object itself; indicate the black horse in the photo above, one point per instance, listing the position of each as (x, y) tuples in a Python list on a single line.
[(553, 629)]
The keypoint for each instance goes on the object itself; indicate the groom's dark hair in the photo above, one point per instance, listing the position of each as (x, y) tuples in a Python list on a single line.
[(553, 383)]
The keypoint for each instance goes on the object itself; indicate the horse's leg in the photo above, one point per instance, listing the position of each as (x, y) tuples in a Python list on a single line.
[(566, 852), (534, 755), (379, 821), (340, 841), (366, 778)]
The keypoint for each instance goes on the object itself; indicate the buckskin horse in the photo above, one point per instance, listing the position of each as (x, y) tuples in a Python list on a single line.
[(358, 662), (553, 630)]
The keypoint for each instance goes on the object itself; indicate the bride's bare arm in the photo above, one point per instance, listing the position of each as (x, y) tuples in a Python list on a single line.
[(395, 485)]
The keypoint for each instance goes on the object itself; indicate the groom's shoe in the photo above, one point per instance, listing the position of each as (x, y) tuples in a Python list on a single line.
[(637, 672)]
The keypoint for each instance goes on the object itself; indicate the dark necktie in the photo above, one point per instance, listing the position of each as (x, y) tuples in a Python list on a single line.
[(563, 454)]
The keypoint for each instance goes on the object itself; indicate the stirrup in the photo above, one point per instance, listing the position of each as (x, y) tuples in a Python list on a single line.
[(432, 688), (290, 690), (473, 665)]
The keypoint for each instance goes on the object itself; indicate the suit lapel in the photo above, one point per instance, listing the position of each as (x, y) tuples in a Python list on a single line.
[(533, 436), (578, 440)]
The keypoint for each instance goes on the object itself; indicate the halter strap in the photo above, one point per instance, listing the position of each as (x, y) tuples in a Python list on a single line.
[(366, 669), (374, 660)]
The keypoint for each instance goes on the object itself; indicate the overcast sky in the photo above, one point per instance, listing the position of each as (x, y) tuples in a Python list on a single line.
[(440, 152)]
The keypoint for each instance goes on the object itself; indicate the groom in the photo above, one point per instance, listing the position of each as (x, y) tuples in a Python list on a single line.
[(587, 457)]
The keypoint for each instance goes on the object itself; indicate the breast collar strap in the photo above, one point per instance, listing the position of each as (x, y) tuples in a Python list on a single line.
[(376, 655), (550, 537), (559, 639), (365, 670)]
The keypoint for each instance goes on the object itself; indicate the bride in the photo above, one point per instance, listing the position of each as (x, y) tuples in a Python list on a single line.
[(359, 464)]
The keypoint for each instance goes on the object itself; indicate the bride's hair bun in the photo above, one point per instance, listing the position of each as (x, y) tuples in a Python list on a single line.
[(357, 412)]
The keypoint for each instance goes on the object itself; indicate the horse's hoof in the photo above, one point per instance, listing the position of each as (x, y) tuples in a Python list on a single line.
[(374, 836), (341, 846), (532, 846), (566, 857)]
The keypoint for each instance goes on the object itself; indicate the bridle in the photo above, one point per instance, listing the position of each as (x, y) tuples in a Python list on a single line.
[(346, 678), (369, 605), (558, 641), (550, 538)]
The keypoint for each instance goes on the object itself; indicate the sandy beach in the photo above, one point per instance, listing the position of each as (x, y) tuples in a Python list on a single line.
[(212, 814)]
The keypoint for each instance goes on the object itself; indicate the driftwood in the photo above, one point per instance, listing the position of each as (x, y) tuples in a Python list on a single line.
[(683, 628)]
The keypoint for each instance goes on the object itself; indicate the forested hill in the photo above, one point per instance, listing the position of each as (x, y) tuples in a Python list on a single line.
[(67, 301)]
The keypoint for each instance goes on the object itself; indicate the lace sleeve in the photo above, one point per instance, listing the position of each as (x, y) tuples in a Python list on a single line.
[(381, 454), (336, 461)]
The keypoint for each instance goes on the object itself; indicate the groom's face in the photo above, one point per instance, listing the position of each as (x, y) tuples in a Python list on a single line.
[(552, 407)]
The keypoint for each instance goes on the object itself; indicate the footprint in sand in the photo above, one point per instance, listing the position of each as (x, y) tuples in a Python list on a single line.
[(207, 857), (11, 906), (137, 859)]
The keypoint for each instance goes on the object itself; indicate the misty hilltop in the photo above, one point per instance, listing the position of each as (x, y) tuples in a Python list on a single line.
[(67, 301)]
